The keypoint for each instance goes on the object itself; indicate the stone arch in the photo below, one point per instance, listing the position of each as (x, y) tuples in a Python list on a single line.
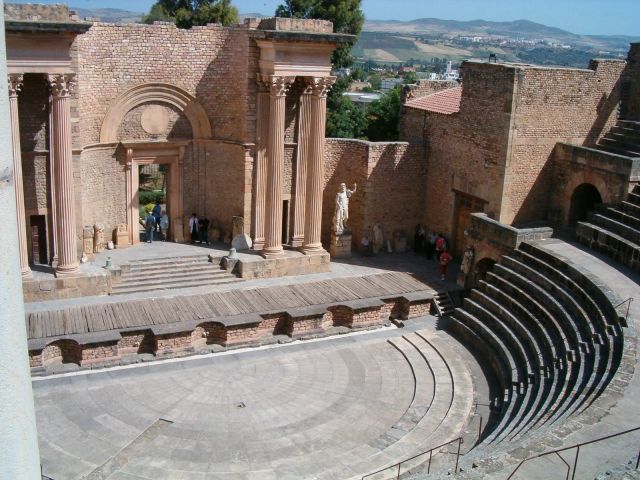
[(583, 199), (208, 333), (62, 351), (158, 93), (480, 270)]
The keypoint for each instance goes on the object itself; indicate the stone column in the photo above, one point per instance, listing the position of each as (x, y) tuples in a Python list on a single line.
[(315, 168), (304, 134), (15, 84), (262, 130), (279, 86), (61, 86)]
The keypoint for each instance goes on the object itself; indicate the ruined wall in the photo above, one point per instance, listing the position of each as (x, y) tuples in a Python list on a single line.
[(390, 178), (554, 105), (467, 150), (214, 64), (631, 85)]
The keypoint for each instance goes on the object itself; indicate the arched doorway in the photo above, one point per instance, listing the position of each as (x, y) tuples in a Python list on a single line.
[(583, 200), (480, 270)]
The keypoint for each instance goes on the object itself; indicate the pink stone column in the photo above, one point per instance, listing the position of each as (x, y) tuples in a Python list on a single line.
[(315, 169), (262, 130), (61, 86), (15, 84), (279, 86), (304, 134)]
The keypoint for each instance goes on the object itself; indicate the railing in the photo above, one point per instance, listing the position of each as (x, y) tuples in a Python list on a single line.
[(577, 447), (430, 452), (628, 301)]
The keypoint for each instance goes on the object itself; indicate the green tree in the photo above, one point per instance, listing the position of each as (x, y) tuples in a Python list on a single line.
[(187, 13), (376, 81), (344, 118), (410, 78), (384, 117), (346, 15)]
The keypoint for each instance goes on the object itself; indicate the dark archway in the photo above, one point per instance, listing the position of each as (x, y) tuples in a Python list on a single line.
[(480, 270), (583, 200)]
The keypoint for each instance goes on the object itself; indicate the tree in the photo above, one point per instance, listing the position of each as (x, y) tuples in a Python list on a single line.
[(346, 15), (187, 13), (410, 78), (384, 117), (344, 118)]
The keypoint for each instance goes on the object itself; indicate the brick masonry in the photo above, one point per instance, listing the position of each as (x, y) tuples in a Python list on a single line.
[(272, 327)]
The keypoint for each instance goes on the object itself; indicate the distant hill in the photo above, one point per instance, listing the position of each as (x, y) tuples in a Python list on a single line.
[(109, 15)]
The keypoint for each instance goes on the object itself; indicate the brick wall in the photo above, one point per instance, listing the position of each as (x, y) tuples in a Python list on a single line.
[(554, 105), (211, 63), (390, 178)]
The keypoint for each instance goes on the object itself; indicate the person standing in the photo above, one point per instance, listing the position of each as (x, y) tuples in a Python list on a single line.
[(445, 259), (431, 245), (150, 226), (193, 227), (419, 240), (164, 225), (203, 225), (441, 245), (157, 215)]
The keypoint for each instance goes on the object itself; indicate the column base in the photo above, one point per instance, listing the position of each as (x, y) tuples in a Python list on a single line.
[(312, 249), (297, 242), (68, 271), (258, 244), (272, 252), (27, 274)]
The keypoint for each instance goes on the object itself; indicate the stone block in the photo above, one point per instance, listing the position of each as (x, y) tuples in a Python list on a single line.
[(340, 245), (242, 242)]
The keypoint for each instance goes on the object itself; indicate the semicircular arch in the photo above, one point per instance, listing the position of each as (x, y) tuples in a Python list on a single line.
[(155, 93)]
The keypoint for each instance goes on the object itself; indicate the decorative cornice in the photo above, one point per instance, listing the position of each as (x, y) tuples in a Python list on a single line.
[(14, 81), (319, 86), (61, 84)]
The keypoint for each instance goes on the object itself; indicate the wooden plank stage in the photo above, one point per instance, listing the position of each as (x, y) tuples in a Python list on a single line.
[(156, 311)]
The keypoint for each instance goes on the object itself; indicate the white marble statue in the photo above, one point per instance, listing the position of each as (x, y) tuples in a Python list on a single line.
[(342, 208)]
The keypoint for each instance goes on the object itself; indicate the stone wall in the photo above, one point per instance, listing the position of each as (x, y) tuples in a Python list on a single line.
[(631, 85), (554, 105), (390, 178), (178, 126), (613, 176), (215, 64)]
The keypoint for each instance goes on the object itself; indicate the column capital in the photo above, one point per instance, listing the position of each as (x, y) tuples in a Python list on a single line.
[(61, 84), (14, 81), (276, 85), (318, 86)]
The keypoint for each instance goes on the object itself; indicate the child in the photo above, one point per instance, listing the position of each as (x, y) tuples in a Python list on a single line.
[(445, 258)]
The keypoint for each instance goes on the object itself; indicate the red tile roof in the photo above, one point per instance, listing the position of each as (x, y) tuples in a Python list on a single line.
[(445, 101)]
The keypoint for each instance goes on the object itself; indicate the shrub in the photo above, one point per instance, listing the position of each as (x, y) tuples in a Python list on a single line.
[(153, 196)]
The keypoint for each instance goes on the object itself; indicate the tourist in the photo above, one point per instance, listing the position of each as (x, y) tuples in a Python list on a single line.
[(431, 245), (441, 245), (419, 240), (164, 225), (366, 246), (444, 260), (193, 227), (149, 226), (203, 226), (157, 215)]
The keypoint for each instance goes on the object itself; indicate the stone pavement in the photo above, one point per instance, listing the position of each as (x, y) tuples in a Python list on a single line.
[(307, 410)]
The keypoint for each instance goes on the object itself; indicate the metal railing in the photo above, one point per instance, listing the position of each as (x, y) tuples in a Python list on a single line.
[(628, 301), (430, 452), (577, 447)]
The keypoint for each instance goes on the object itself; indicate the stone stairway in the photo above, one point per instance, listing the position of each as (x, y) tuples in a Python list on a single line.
[(443, 304), (615, 230), (170, 273), (622, 139), (550, 334)]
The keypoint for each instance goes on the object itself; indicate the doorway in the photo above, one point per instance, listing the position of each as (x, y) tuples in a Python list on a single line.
[(464, 207), (38, 234), (153, 183), (285, 222), (584, 199)]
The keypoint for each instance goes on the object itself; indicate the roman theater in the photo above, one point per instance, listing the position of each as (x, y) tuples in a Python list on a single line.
[(279, 343)]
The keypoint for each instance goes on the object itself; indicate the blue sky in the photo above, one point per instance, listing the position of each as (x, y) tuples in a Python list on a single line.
[(595, 17)]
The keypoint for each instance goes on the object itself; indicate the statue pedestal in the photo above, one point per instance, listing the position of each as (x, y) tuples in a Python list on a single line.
[(340, 244)]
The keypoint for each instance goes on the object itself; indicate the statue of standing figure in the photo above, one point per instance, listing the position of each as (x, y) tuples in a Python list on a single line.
[(342, 208)]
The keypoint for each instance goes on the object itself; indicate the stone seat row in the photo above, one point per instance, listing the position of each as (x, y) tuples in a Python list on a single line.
[(622, 139), (111, 347), (550, 334), (615, 230)]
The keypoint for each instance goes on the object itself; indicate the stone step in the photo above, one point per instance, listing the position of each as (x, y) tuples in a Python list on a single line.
[(173, 272), (616, 150), (630, 124), (634, 197), (621, 131), (169, 262), (616, 212), (118, 289), (630, 208), (444, 304), (625, 142), (615, 226), (163, 278)]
